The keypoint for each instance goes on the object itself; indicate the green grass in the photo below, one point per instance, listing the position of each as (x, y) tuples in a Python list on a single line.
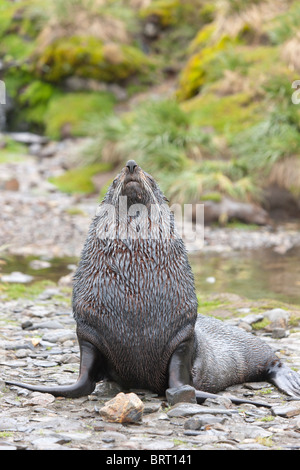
[(227, 116), (15, 291), (13, 47), (73, 110), (13, 151), (79, 180)]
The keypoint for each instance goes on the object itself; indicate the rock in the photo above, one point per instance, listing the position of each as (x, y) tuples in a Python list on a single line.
[(35, 149), (59, 336), (47, 443), (187, 409), (49, 150), (241, 432), (41, 399), (8, 424), (185, 394), (69, 359), (17, 277), (112, 436), (39, 264), (219, 401), (244, 325), (66, 281), (124, 408), (253, 318), (204, 420), (49, 325), (119, 92), (28, 138), (12, 184), (229, 209), (159, 445), (279, 333), (278, 317), (288, 410)]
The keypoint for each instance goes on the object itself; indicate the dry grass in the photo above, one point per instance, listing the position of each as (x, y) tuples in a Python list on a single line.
[(286, 174), (253, 16), (81, 18), (138, 4), (291, 53), (231, 83)]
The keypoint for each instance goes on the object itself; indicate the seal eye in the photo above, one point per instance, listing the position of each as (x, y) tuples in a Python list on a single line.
[(131, 165)]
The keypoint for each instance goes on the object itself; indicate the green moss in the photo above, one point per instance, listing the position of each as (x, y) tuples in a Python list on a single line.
[(70, 113), (211, 196), (285, 25), (14, 47), (261, 324), (176, 12), (15, 291), (197, 70), (88, 57), (7, 11), (34, 100), (165, 10), (229, 115), (79, 180), (12, 151), (207, 305), (37, 92)]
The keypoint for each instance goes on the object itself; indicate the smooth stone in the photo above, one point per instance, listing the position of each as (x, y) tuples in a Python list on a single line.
[(186, 394), (189, 409), (288, 410), (17, 277)]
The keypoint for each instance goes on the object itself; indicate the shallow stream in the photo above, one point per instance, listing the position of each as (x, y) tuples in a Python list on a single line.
[(259, 274)]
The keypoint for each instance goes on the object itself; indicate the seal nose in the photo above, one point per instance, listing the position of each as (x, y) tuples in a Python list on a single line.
[(131, 165)]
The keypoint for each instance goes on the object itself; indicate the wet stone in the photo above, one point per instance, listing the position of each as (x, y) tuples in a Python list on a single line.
[(186, 394), (186, 409), (287, 411), (198, 422)]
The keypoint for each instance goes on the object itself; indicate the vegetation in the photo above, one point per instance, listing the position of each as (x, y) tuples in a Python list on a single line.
[(228, 128), (79, 180)]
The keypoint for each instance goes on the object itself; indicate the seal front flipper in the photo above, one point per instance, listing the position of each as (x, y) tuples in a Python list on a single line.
[(286, 379), (180, 375), (89, 374)]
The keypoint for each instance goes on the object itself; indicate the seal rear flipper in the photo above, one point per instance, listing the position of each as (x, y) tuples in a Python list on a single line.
[(90, 364), (202, 396), (286, 379)]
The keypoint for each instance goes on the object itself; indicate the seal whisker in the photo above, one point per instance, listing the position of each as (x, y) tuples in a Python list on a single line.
[(147, 186)]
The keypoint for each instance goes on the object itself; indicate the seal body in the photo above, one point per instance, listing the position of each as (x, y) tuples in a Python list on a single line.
[(134, 297), (135, 306), (225, 355)]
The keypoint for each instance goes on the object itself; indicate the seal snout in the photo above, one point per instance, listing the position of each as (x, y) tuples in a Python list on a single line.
[(131, 165)]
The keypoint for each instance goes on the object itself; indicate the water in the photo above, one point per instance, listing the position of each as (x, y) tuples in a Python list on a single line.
[(260, 274), (58, 268)]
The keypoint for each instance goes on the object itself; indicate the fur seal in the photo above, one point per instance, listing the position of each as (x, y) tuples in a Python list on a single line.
[(135, 307)]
